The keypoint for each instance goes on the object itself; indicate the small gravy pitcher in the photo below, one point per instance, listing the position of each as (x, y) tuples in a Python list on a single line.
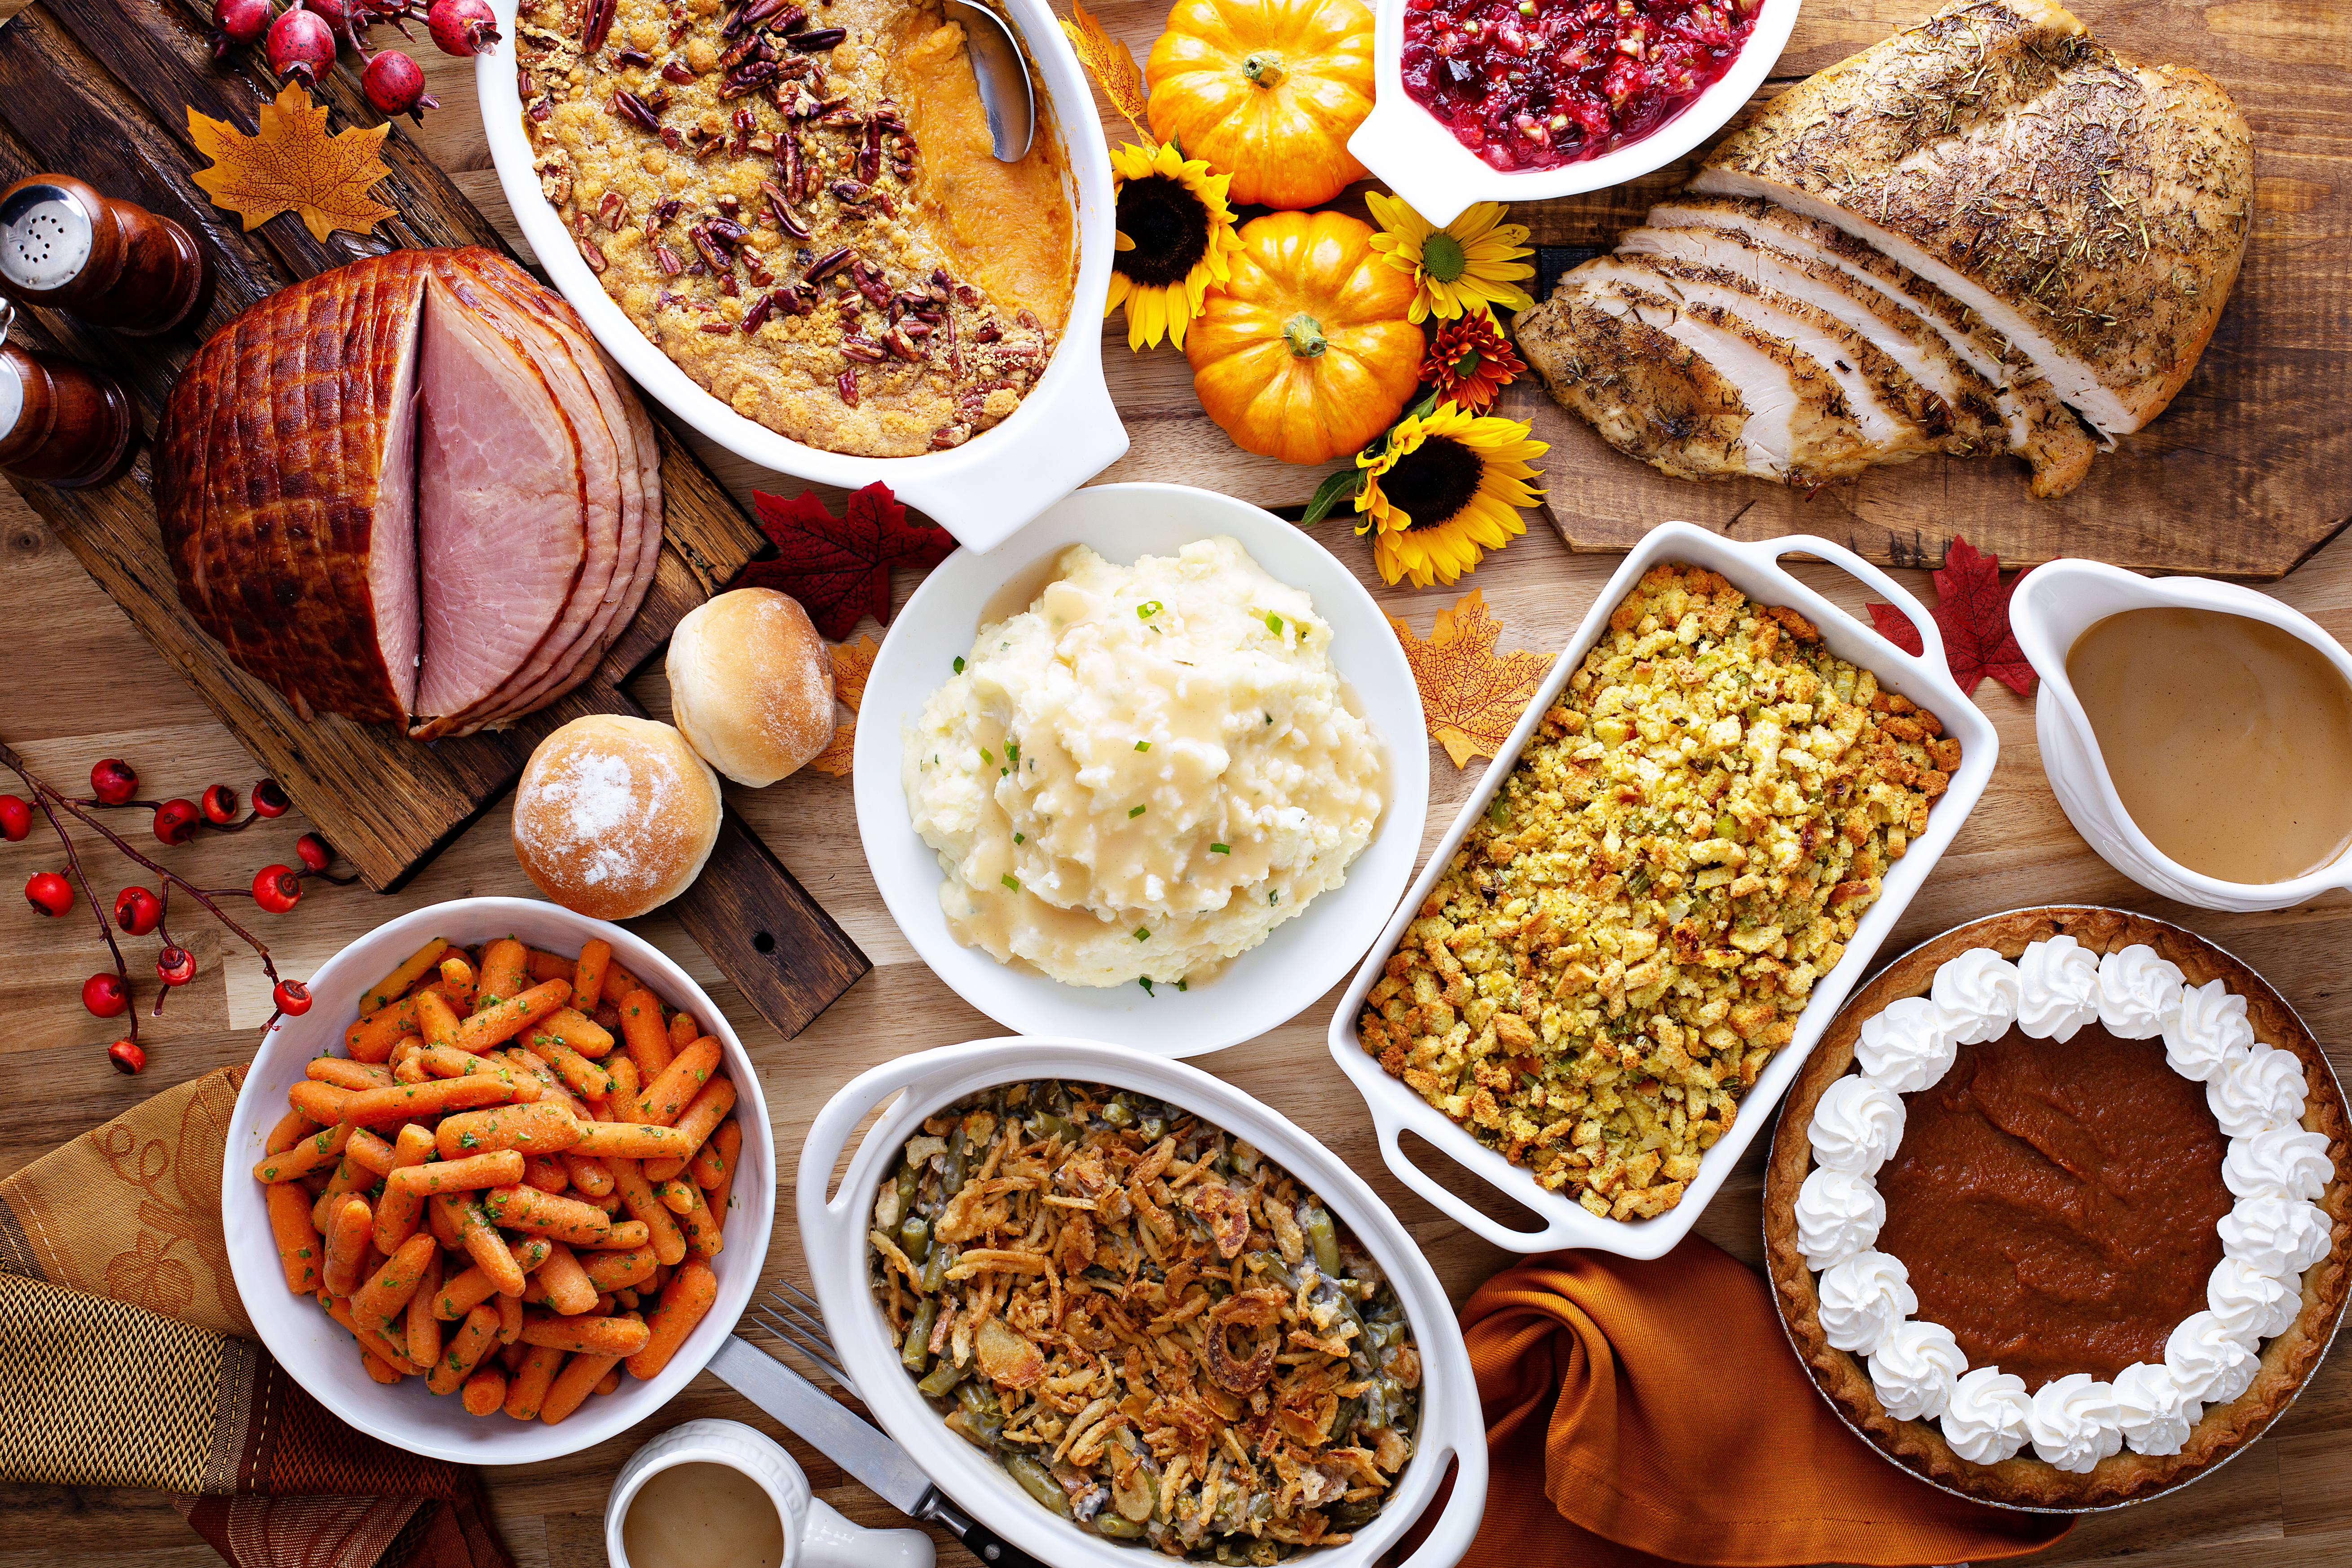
[(2054, 604), (814, 1535)]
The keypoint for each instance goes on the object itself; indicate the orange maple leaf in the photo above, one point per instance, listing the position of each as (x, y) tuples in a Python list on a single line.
[(1469, 699), (1110, 63), (851, 663), (291, 164)]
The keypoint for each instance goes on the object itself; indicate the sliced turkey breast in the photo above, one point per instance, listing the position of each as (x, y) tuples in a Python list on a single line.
[(1688, 386), (2042, 428), (2092, 211), (503, 504)]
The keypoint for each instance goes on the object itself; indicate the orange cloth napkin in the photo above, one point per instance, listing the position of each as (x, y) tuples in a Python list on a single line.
[(126, 1360), (1639, 1412)]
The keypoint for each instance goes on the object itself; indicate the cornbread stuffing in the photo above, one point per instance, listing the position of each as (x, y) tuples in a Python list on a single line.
[(1160, 1335), (1628, 934)]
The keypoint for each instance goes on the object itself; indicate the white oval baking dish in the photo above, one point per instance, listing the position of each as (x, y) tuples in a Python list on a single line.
[(1065, 432), (307, 1342), (1924, 678), (1401, 143), (833, 1235), (2058, 602)]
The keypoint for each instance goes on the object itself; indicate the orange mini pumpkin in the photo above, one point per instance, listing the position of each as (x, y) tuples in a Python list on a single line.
[(1306, 355), (1268, 90)]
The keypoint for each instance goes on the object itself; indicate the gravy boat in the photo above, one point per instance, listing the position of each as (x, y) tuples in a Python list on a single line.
[(2055, 604)]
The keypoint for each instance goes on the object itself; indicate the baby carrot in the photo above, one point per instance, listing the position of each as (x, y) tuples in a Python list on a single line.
[(379, 1300), (496, 1022), (637, 1193), (703, 1232), (642, 1028), (397, 1211), (423, 1330), (485, 1392), (300, 1248), (679, 1082), (496, 1168), (583, 1077), (506, 964), (588, 978), (347, 1238), (683, 1031), (572, 1385), (458, 974), (466, 1347), (631, 1140), (589, 1175), (291, 1130), (422, 1101), (546, 1173), (619, 1270), (437, 1021), (344, 1073), (703, 1114), (395, 985), (558, 1218), (628, 1233), (683, 1302), (562, 1284), (482, 1243), (316, 1152), (586, 1336), (544, 1128)]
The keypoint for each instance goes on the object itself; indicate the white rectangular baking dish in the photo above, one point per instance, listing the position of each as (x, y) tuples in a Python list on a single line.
[(1924, 678)]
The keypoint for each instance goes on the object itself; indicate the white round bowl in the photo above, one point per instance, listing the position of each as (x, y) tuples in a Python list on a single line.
[(319, 1355), (1417, 154), (1065, 432), (834, 1224), (2058, 602), (814, 1535), (1305, 955)]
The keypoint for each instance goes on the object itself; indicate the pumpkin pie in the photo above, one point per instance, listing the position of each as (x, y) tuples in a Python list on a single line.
[(2055, 1213)]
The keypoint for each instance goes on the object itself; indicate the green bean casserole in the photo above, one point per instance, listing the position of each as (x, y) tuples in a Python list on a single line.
[(1160, 1334)]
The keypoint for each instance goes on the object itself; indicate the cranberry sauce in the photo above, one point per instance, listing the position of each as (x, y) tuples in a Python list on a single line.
[(1534, 84)]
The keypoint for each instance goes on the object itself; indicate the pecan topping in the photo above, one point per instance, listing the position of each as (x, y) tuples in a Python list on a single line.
[(846, 384), (831, 262), (677, 72), (717, 326), (612, 209), (635, 109), (747, 78), (820, 39), (667, 259), (591, 254), (862, 349), (634, 59), (600, 26), (787, 219), (902, 345)]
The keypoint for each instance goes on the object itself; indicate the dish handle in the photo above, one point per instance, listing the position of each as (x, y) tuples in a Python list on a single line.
[(1554, 1236), (1931, 637), (1009, 476)]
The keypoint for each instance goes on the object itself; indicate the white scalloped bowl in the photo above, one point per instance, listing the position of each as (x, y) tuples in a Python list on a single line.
[(1065, 432)]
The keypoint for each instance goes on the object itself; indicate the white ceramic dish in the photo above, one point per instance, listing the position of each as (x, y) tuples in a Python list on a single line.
[(1305, 956), (814, 1535), (1415, 152), (833, 1235), (317, 1353), (2055, 604), (1755, 570), (1065, 432)]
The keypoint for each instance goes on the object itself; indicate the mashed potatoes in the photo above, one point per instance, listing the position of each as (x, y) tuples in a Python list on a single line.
[(1145, 772)]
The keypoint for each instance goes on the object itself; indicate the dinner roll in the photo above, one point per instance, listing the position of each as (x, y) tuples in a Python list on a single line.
[(614, 816), (751, 684)]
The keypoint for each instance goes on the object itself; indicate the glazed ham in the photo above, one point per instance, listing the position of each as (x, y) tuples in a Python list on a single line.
[(411, 489)]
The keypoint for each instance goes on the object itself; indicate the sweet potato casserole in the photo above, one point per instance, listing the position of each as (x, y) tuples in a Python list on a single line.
[(1158, 1334), (1629, 932), (798, 204)]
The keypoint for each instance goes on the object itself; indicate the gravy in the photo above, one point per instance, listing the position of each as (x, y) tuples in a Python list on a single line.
[(702, 1515), (2228, 738)]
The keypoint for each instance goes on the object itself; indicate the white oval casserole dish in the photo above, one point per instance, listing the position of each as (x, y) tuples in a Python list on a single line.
[(1065, 432), (1923, 678), (833, 1235)]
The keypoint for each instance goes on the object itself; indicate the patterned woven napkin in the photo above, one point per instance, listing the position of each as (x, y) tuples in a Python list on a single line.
[(126, 1360)]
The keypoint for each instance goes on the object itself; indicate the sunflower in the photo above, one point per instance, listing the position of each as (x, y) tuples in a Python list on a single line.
[(1470, 361), (1445, 489), (1175, 238), (1468, 264)]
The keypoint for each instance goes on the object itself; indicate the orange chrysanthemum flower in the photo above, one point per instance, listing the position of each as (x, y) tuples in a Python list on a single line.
[(1470, 361)]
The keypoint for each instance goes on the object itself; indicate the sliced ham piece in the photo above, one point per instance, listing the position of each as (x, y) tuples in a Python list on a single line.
[(503, 506), (2092, 211)]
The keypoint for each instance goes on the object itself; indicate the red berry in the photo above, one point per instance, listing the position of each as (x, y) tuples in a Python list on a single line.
[(49, 892), (292, 998), (138, 911), (241, 21), (315, 852), (126, 1055), (175, 966), (336, 14), (301, 45), (175, 821), (15, 817), (394, 84), (113, 782), (462, 27), (105, 994), (277, 888), (219, 803), (269, 798)]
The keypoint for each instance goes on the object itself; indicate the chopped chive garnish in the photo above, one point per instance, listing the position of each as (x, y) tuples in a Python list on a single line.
[(1137, 812), (1221, 848), (1010, 881), (1184, 984), (1146, 610), (1142, 935), (1274, 625), (958, 664), (1145, 984), (1019, 838), (1143, 745), (1012, 750), (985, 756), (1274, 896)]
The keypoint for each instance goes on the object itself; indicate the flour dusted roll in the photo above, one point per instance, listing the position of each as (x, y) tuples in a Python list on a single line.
[(751, 684), (614, 816)]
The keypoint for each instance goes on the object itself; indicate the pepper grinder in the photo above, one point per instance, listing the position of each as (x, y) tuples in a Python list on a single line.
[(114, 264), (61, 422)]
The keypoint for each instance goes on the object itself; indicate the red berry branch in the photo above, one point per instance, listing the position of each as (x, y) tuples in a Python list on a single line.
[(139, 911), (306, 37)]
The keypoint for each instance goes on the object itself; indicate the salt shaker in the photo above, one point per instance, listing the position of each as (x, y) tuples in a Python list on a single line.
[(61, 422), (114, 264)]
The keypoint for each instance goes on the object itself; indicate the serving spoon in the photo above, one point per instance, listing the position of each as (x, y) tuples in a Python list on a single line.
[(1004, 90)]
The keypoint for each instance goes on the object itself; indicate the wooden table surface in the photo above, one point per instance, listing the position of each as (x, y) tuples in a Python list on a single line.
[(84, 685)]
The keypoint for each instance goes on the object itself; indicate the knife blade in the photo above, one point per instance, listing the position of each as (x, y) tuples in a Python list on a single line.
[(865, 1451)]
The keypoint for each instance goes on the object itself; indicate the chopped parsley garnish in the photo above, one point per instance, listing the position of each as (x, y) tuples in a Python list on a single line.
[(1221, 848), (1019, 838), (1273, 895), (1143, 745), (1145, 984), (1184, 984), (1135, 813), (1143, 934), (958, 664)]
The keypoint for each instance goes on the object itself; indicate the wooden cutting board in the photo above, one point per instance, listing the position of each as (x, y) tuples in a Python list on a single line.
[(2247, 473), (101, 90)]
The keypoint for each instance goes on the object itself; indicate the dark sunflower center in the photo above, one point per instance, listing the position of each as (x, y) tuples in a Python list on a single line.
[(1434, 482), (1169, 226)]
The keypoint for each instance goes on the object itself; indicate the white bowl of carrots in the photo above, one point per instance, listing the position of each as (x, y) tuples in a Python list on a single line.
[(499, 1193)]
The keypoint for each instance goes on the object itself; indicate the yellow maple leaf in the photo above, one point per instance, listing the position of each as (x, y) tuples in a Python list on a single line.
[(851, 663), (1469, 699), (1110, 63), (291, 164)]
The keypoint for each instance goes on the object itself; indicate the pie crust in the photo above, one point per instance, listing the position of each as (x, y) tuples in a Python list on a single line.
[(2025, 1481)]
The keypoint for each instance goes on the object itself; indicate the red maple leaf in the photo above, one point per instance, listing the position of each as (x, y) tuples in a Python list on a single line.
[(839, 567), (1972, 612)]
